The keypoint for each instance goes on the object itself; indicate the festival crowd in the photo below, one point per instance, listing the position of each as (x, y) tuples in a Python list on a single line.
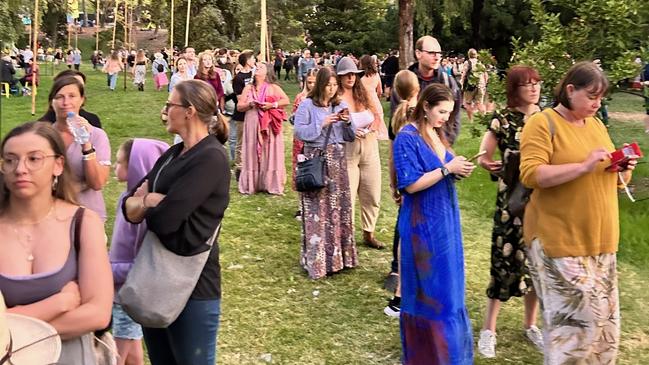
[(226, 105)]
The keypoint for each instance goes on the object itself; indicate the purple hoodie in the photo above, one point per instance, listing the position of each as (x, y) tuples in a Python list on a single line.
[(128, 237)]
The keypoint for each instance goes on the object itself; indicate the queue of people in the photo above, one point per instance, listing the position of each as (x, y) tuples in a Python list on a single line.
[(53, 175)]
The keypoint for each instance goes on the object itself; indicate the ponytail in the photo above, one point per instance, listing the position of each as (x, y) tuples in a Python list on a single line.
[(400, 116), (219, 128)]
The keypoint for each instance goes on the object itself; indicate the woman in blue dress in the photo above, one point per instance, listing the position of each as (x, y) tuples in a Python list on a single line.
[(435, 326)]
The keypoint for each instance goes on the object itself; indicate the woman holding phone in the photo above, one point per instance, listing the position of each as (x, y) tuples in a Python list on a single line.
[(509, 273), (262, 147), (571, 226), (328, 244), (363, 161), (435, 325)]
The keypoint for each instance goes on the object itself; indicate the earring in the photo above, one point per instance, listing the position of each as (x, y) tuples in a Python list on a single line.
[(425, 117), (55, 183)]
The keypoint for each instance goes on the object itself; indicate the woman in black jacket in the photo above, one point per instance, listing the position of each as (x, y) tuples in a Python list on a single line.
[(184, 211)]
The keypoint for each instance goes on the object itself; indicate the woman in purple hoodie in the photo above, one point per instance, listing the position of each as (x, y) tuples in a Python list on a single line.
[(135, 158)]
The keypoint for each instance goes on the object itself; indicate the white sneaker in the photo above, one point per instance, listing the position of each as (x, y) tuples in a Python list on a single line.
[(535, 336), (487, 344)]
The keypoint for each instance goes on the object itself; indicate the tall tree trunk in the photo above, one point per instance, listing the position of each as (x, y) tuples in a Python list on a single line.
[(406, 41), (476, 15), (85, 14)]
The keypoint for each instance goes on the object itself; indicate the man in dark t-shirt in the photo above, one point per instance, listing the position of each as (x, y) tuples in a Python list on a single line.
[(239, 82)]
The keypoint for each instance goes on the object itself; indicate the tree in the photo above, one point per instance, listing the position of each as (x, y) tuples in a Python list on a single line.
[(406, 35), (344, 24)]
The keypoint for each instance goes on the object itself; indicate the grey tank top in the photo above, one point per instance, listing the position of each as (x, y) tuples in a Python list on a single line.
[(27, 289)]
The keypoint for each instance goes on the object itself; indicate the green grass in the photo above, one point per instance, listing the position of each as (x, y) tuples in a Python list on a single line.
[(270, 308)]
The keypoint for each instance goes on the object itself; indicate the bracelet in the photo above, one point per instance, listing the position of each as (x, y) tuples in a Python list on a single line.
[(90, 156), (275, 105), (144, 201), (91, 150)]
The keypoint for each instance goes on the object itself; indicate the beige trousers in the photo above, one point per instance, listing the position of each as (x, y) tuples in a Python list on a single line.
[(364, 170)]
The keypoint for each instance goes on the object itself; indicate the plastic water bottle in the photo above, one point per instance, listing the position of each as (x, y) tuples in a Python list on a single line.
[(80, 133)]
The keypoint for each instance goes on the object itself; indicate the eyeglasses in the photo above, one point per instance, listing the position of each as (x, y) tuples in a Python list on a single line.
[(432, 53), (532, 85), (33, 161), (169, 105)]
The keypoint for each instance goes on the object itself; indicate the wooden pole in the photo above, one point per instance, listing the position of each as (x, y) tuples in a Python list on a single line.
[(126, 26), (115, 27), (35, 58), (171, 30), (97, 26), (263, 33), (189, 5)]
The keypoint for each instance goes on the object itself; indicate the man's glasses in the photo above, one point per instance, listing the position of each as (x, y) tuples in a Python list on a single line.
[(33, 161), (432, 53)]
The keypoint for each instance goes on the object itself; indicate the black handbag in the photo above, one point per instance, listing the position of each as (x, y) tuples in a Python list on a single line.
[(311, 173)]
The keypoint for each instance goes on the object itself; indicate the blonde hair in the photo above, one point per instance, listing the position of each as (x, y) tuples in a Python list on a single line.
[(406, 85)]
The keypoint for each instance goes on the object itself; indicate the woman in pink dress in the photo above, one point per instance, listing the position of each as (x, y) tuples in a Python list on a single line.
[(262, 150)]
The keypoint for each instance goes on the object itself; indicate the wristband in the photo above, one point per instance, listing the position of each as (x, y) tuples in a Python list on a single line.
[(275, 105), (91, 150), (144, 201)]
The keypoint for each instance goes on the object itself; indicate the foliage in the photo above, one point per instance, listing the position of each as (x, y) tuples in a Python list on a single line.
[(344, 25), (564, 41), (205, 19)]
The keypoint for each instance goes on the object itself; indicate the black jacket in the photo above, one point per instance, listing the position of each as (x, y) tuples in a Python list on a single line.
[(452, 127), (7, 72)]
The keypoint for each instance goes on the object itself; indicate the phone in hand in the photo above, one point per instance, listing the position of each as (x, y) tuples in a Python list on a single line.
[(343, 114), (474, 157), (620, 158)]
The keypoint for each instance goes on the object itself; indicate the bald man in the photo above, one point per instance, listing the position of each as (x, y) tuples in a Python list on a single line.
[(427, 68)]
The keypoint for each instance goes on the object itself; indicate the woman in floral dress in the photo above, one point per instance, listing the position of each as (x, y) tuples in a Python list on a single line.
[(509, 274)]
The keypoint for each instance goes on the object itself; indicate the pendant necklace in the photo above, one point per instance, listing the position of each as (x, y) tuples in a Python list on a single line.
[(25, 239)]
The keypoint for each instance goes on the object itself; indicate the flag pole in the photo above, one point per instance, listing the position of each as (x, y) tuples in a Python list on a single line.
[(189, 5), (115, 21), (97, 26), (263, 34), (171, 37), (35, 57)]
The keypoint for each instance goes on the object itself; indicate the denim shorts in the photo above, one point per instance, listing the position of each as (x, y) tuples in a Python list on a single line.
[(123, 326)]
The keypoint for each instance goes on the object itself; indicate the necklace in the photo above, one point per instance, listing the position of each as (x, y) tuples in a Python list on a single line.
[(26, 238)]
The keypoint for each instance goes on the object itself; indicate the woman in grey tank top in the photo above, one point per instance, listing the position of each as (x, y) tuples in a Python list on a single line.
[(42, 274)]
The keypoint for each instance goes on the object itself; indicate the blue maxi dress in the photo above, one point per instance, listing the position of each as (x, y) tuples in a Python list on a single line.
[(435, 325)]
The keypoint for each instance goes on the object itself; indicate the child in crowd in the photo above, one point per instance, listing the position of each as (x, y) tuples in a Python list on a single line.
[(160, 79), (406, 85), (135, 158)]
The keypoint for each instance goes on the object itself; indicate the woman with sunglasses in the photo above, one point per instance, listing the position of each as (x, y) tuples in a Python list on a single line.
[(88, 154), (509, 274), (54, 265), (184, 211), (571, 225)]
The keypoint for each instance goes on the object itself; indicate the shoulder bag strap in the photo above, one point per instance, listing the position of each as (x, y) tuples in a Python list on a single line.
[(550, 124)]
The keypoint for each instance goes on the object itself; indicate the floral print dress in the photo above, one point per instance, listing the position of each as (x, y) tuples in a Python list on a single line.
[(509, 273)]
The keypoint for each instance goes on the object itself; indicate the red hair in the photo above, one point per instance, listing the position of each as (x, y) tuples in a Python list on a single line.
[(517, 76)]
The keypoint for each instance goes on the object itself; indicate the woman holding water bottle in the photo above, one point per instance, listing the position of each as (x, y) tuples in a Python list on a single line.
[(87, 148)]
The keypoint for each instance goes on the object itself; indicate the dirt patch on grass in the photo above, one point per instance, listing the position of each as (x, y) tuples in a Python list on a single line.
[(627, 117)]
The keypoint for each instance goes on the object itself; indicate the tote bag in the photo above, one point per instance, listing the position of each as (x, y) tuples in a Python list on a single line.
[(160, 282)]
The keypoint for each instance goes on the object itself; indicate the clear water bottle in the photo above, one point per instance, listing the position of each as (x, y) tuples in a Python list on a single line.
[(80, 133)]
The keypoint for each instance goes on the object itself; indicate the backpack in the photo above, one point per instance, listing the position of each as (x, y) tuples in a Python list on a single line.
[(466, 86), (160, 67)]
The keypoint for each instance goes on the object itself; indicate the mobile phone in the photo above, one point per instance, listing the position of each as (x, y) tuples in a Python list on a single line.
[(620, 158), (477, 155)]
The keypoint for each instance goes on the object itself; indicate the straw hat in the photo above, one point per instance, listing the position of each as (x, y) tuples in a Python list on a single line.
[(20, 336), (346, 65)]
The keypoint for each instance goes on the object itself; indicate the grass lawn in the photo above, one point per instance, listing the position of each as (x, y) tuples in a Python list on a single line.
[(271, 312)]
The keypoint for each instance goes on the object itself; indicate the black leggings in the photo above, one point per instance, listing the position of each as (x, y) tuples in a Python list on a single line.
[(394, 266)]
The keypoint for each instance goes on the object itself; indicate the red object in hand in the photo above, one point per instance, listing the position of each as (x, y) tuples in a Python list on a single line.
[(620, 158)]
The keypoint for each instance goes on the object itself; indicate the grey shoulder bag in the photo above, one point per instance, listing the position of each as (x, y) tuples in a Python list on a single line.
[(160, 282)]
